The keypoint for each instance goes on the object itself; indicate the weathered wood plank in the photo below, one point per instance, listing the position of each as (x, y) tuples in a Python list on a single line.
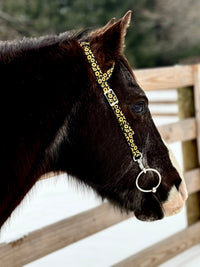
[(192, 179), (164, 250), (189, 149), (163, 102), (58, 235), (165, 78), (197, 104), (164, 114), (50, 174), (179, 131)]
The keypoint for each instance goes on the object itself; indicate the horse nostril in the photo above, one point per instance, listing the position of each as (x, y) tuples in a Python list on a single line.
[(177, 183)]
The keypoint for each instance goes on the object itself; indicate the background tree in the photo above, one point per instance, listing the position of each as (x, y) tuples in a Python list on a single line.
[(163, 32)]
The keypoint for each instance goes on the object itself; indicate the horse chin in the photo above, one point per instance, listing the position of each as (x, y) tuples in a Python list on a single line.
[(151, 209), (147, 218), (150, 217)]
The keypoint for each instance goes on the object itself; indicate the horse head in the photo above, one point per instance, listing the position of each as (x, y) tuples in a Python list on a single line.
[(151, 185)]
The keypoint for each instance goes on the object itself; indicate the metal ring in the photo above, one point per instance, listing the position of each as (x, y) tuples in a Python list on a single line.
[(153, 188)]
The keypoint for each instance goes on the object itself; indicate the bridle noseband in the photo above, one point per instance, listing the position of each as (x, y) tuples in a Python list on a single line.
[(113, 101)]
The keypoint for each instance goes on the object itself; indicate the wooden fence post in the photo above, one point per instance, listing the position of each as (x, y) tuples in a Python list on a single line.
[(197, 104), (187, 108)]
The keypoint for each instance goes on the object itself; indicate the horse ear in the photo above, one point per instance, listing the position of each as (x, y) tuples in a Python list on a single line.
[(102, 30), (109, 44)]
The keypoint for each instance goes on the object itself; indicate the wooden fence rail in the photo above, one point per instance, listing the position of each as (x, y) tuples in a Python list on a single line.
[(164, 250), (165, 103), (166, 78), (58, 235)]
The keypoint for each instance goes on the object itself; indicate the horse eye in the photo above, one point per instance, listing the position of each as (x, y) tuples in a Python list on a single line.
[(138, 107)]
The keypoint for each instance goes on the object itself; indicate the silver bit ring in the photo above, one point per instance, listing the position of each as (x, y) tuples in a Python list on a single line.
[(154, 189)]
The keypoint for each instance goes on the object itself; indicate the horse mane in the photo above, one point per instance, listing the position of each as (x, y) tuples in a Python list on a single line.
[(10, 50)]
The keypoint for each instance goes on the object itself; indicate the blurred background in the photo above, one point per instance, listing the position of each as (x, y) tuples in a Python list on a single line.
[(162, 32)]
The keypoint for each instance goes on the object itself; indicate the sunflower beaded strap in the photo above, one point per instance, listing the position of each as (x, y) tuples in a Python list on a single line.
[(112, 99)]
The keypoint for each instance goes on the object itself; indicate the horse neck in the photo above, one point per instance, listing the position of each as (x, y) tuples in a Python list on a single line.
[(41, 88)]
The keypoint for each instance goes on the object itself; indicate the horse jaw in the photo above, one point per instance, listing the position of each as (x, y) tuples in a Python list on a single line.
[(176, 198)]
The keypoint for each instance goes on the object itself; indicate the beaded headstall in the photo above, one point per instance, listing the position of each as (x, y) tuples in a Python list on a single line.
[(113, 101)]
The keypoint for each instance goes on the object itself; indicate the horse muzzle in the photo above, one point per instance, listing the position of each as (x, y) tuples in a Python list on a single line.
[(176, 200)]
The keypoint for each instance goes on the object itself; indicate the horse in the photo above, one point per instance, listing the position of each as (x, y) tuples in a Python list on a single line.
[(61, 96)]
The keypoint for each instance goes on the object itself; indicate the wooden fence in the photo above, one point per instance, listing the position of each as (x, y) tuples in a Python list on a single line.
[(165, 103), (58, 235)]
